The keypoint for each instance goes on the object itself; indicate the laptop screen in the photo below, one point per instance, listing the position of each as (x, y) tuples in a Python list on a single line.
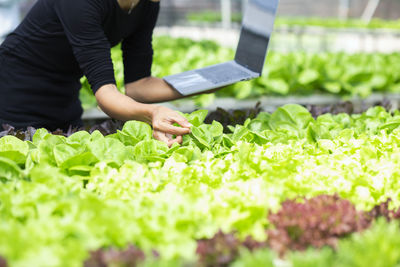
[(257, 27)]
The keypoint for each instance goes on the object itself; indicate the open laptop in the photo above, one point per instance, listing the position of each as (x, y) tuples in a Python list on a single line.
[(257, 27)]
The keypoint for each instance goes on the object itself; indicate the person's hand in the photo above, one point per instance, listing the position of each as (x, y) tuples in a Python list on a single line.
[(163, 119)]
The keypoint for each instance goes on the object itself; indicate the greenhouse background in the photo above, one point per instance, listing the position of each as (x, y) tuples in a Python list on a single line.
[(175, 11), (296, 168), (302, 24)]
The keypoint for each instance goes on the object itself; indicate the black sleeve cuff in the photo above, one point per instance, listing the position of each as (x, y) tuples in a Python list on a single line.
[(98, 85), (138, 67)]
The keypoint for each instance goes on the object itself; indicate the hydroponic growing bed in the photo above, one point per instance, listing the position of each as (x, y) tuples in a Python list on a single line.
[(281, 189)]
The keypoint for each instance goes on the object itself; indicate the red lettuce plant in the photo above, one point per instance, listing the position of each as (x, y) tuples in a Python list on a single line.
[(219, 251), (382, 210), (3, 262), (317, 222), (129, 257), (223, 249)]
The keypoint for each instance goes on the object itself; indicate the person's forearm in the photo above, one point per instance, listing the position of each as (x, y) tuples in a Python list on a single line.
[(156, 90), (151, 90), (122, 107)]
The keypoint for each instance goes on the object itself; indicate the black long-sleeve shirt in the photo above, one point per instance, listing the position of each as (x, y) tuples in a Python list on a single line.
[(42, 61)]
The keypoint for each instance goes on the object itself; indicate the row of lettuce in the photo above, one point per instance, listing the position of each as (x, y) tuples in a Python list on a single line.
[(284, 74), (376, 23), (61, 197)]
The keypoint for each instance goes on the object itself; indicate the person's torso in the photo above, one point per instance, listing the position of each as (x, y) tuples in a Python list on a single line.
[(38, 64)]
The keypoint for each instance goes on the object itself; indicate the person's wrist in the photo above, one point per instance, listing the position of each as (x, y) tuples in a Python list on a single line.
[(153, 111), (142, 112)]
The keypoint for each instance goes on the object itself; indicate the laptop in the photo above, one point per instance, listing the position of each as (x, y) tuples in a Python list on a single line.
[(257, 27)]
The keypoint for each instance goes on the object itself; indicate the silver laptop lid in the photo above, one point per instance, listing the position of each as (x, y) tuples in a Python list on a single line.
[(257, 27)]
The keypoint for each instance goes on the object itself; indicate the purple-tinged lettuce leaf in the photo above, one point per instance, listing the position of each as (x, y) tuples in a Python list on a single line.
[(130, 257), (382, 210), (220, 251), (3, 262), (318, 222)]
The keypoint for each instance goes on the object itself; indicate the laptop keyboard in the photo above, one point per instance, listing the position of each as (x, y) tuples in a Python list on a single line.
[(222, 73)]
